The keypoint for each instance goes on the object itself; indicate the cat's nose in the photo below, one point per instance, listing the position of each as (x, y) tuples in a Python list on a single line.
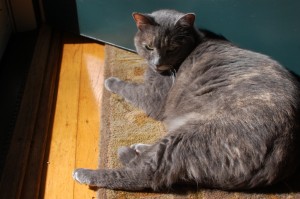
[(157, 61)]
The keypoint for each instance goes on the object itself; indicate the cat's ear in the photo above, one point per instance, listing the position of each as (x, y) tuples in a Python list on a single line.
[(142, 20), (187, 20)]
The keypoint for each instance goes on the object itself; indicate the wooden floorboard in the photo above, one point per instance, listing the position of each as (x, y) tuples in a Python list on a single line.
[(61, 159), (90, 98), (75, 133)]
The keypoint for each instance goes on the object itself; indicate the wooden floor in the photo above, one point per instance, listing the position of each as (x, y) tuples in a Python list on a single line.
[(76, 127), (57, 128)]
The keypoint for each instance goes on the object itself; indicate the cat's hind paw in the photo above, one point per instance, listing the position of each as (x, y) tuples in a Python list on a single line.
[(126, 155), (139, 147)]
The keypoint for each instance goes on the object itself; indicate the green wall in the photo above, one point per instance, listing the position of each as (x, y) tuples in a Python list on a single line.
[(268, 26)]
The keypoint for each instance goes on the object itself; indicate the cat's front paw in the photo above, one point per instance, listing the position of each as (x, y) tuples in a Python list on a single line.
[(111, 84), (83, 176)]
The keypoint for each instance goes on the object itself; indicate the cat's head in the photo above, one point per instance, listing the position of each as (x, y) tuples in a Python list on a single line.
[(165, 38)]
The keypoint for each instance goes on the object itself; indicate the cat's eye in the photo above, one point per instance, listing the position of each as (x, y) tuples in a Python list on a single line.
[(149, 47), (172, 49)]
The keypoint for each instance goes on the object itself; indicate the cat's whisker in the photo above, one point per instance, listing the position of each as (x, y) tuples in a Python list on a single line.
[(173, 75)]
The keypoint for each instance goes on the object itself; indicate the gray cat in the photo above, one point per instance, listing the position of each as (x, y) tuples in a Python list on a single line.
[(230, 113)]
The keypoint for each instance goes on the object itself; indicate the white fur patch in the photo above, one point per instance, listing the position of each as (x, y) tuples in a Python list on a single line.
[(177, 122)]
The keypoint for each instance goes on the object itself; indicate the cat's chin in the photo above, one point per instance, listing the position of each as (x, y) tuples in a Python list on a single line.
[(163, 72)]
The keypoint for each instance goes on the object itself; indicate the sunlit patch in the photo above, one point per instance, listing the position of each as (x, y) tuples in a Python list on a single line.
[(94, 67)]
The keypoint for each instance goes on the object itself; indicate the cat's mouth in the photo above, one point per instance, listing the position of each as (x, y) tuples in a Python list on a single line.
[(163, 68)]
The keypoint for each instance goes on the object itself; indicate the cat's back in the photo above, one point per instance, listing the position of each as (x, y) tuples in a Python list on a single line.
[(220, 79), (223, 59)]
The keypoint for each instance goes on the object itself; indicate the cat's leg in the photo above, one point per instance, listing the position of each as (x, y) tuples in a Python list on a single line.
[(147, 170), (149, 98), (124, 179)]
